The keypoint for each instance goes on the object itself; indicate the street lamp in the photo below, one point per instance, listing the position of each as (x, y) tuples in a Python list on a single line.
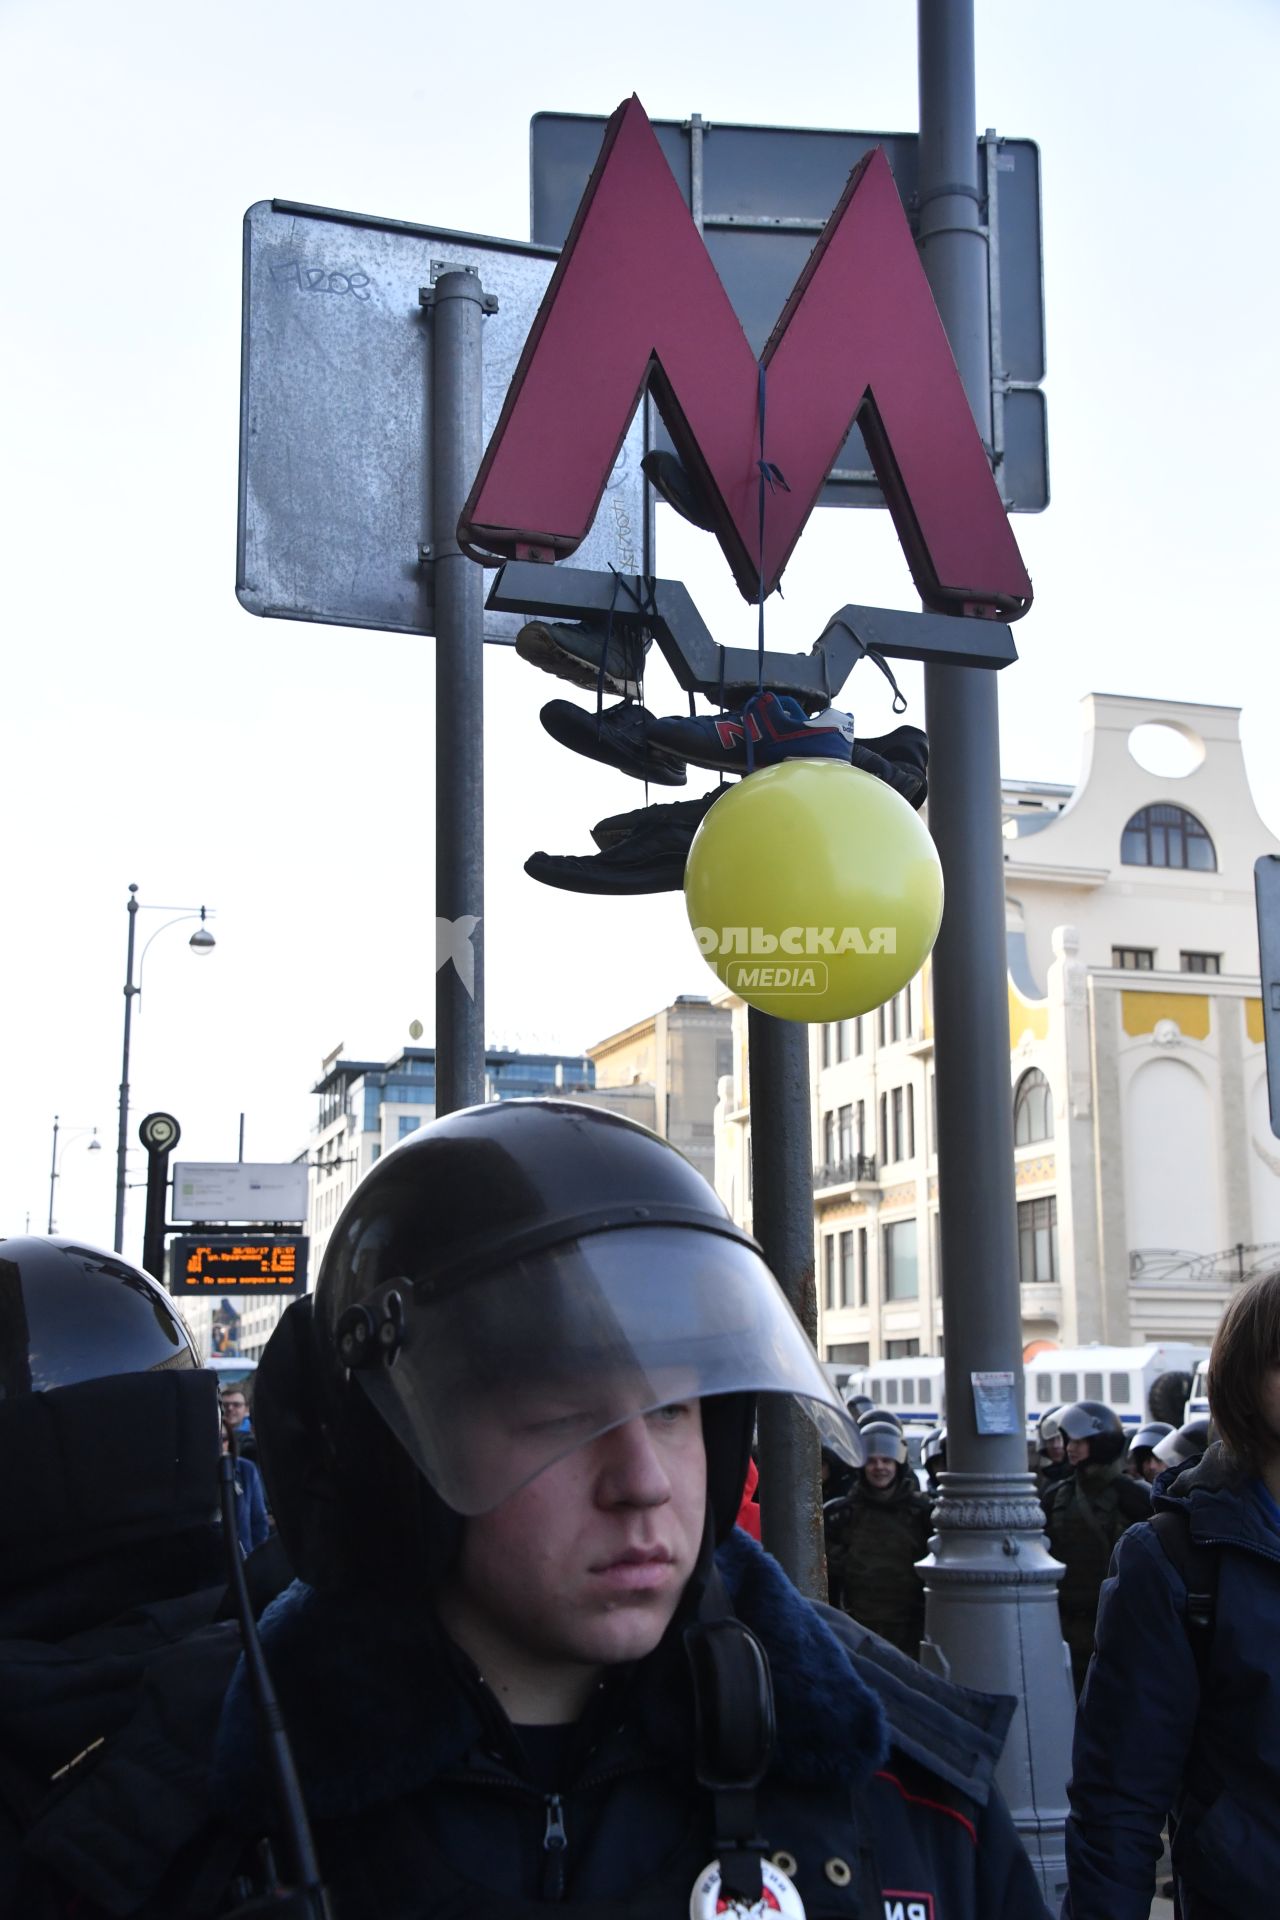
[(94, 1146), (201, 942)]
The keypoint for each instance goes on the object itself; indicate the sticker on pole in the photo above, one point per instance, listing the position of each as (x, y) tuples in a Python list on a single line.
[(995, 1403)]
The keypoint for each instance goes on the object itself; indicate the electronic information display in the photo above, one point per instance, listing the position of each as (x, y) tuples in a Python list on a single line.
[(238, 1263)]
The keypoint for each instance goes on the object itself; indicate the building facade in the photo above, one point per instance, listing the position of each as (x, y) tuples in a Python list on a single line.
[(664, 1071), (1147, 1177)]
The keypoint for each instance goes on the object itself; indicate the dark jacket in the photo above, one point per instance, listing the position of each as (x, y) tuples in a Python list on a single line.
[(251, 1507), (872, 1550), (1084, 1517), (1149, 1739), (426, 1803)]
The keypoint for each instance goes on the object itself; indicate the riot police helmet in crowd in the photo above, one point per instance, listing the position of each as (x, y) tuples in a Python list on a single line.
[(1098, 1425), (933, 1450), (71, 1313), (879, 1415), (1181, 1445), (1147, 1439), (859, 1404), (884, 1441), (518, 1278)]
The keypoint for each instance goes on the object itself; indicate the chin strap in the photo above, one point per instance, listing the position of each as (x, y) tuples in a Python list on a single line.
[(734, 1721)]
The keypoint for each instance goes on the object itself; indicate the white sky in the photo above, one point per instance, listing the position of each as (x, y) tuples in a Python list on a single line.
[(283, 772)]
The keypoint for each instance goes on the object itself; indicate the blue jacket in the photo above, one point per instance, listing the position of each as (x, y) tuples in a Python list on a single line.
[(881, 1789), (1150, 1741)]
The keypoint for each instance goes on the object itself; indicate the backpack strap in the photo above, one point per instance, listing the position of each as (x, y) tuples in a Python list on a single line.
[(1197, 1567)]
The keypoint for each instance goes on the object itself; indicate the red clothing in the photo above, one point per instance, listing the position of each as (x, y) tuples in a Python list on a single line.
[(749, 1511)]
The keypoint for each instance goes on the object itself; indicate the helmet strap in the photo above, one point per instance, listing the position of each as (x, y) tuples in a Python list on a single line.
[(734, 1735)]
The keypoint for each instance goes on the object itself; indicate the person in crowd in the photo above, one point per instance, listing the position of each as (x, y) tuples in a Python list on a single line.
[(251, 1502), (114, 1655), (1180, 1715), (1085, 1516), (876, 1541), (933, 1456), (238, 1417), (1052, 1466), (1141, 1463), (1182, 1447), (534, 1662)]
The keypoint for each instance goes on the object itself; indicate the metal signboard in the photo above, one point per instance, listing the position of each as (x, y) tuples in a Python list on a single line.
[(336, 415), (269, 1263), (239, 1190), (760, 196)]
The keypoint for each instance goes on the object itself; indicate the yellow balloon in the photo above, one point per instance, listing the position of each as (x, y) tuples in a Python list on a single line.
[(813, 890)]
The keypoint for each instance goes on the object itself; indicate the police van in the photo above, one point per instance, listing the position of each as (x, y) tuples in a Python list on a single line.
[(1143, 1383), (913, 1389)]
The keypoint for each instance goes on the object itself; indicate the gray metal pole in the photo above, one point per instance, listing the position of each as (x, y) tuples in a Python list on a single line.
[(991, 1607), (53, 1170), (122, 1142), (782, 1220), (457, 307)]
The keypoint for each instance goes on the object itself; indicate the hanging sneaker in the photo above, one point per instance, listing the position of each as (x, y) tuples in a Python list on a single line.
[(778, 726), (900, 759), (649, 859), (608, 833), (573, 649), (619, 736)]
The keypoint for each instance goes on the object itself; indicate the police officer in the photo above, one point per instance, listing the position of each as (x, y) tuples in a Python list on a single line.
[(878, 1538), (1052, 1463), (933, 1455), (1140, 1461), (113, 1660), (534, 1662), (1086, 1515)]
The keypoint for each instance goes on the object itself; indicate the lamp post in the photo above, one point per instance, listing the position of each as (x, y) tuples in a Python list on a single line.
[(94, 1146), (201, 942)]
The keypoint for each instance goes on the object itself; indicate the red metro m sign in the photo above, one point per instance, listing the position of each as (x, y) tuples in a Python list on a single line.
[(635, 303)]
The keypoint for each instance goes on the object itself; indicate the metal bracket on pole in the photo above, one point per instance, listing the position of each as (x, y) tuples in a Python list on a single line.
[(666, 609)]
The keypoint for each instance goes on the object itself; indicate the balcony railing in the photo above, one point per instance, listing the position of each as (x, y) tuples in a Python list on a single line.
[(845, 1173)]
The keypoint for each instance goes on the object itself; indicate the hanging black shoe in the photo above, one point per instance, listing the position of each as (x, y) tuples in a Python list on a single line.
[(573, 650), (610, 832), (618, 736), (649, 859), (672, 482), (900, 759)]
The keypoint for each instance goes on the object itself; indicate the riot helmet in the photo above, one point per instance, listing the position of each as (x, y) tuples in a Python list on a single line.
[(516, 1279), (858, 1404), (880, 1415), (1048, 1428), (883, 1441), (70, 1313), (1098, 1425), (1181, 1445), (1147, 1439), (933, 1453)]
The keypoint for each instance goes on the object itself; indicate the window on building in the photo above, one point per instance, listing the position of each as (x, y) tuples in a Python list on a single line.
[(854, 1353), (1032, 1109), (829, 1270), (409, 1123), (828, 1136), (845, 1292), (862, 1266), (857, 1034), (933, 1112), (1038, 1243), (901, 1267), (860, 1126), (375, 1152), (895, 1123), (1201, 962), (1135, 959), (885, 1154), (880, 1025), (1164, 836), (826, 1043), (846, 1039), (846, 1133), (906, 1011), (906, 1350), (911, 1123)]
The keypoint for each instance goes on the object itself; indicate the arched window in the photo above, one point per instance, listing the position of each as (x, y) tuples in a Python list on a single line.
[(1167, 836), (1032, 1110)]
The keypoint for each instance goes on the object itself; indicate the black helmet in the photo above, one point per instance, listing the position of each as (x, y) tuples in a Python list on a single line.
[(933, 1449), (884, 1440), (878, 1414), (858, 1404), (1148, 1438), (70, 1313), (1183, 1444), (1096, 1423), (507, 1257)]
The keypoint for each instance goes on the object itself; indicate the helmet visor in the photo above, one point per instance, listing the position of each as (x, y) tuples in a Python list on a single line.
[(495, 1380)]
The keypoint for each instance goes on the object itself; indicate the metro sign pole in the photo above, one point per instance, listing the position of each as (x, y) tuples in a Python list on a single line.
[(991, 1586)]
